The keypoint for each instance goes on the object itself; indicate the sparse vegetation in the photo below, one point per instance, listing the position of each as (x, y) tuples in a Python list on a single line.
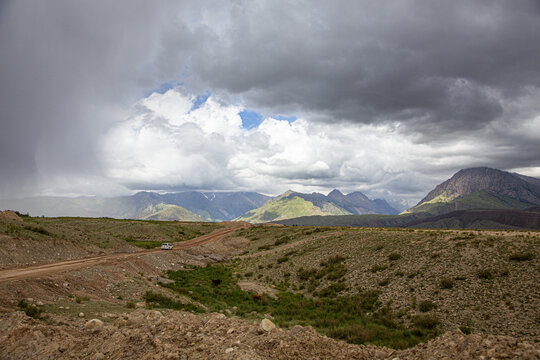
[(447, 283), (30, 309), (343, 317), (486, 274), (524, 256), (426, 305), (154, 300), (130, 305)]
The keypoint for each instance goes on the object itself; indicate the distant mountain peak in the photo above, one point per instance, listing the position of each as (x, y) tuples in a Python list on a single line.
[(481, 187), (285, 194), (335, 194), (471, 180)]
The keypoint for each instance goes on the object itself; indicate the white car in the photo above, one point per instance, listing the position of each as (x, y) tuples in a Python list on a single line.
[(166, 246)]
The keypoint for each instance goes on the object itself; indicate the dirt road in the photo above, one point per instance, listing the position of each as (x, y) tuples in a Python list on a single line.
[(7, 275)]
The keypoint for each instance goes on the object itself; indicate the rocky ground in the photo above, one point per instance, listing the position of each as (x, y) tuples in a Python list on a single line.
[(98, 313), (148, 334)]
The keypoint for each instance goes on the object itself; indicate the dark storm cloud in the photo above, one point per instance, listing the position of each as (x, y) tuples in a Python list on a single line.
[(448, 64), (67, 70), (438, 72)]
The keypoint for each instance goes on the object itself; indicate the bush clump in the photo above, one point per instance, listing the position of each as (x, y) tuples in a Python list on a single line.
[(426, 321), (447, 283), (485, 274), (30, 310), (521, 256), (426, 305)]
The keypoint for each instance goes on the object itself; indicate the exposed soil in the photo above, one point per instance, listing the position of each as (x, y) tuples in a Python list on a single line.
[(146, 334), (110, 288)]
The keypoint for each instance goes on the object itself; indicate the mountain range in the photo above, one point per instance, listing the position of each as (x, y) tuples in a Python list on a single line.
[(293, 204), (184, 206), (472, 198), (456, 202), (203, 206)]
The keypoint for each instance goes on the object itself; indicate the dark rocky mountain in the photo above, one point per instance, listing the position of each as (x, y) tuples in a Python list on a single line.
[(217, 206), (481, 188)]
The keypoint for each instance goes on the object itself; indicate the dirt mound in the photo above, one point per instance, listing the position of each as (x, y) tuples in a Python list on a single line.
[(147, 334), (10, 215)]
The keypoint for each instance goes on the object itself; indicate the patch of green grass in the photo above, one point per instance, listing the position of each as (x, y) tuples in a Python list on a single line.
[(357, 318), (426, 321), (155, 300), (332, 268)]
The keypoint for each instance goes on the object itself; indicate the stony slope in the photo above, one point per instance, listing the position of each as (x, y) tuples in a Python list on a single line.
[(481, 188), (146, 334)]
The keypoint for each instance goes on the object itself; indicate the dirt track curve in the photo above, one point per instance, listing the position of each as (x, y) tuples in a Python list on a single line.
[(7, 275)]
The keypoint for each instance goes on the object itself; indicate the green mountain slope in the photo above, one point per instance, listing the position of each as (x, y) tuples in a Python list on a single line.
[(284, 207), (480, 188), (164, 211), (476, 200)]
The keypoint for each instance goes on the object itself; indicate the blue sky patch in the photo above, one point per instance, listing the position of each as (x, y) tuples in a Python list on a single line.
[(250, 119), (164, 87), (290, 119), (199, 100)]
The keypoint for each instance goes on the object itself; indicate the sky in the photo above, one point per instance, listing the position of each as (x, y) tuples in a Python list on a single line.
[(389, 98)]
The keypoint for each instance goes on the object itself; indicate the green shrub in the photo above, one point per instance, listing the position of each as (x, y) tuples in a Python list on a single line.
[(384, 282), (521, 256), (465, 329), (426, 305), (130, 305), (282, 240), (30, 310), (394, 256), (304, 274), (485, 274), (282, 259), (375, 268), (426, 321), (447, 283), (158, 300)]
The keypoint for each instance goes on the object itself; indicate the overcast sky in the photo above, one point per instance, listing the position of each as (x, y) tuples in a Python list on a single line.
[(388, 97)]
